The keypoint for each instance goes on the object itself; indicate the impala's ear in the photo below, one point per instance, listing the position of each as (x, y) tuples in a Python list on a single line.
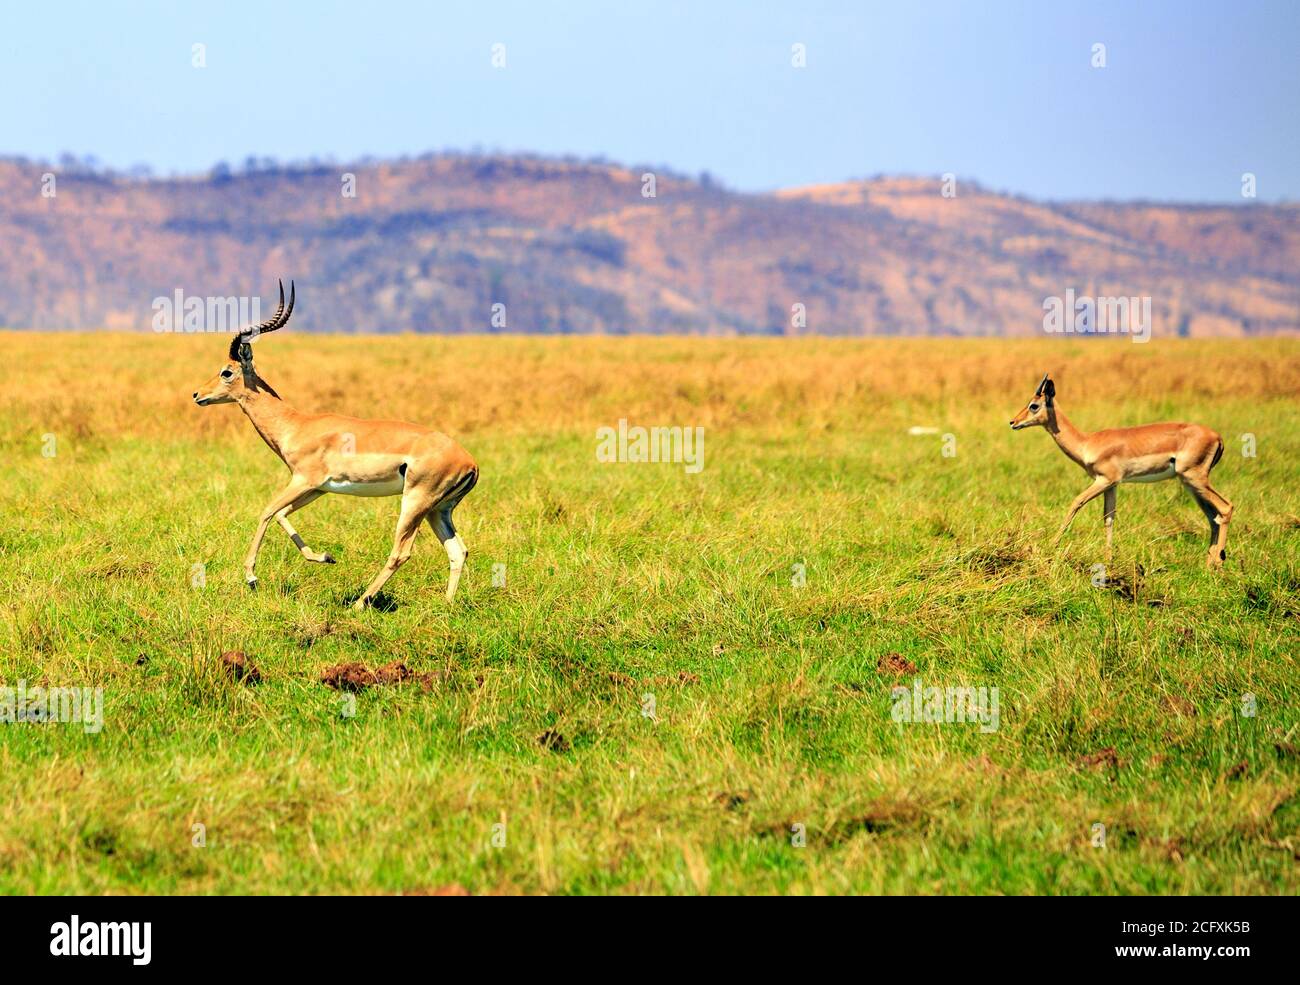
[(1049, 389)]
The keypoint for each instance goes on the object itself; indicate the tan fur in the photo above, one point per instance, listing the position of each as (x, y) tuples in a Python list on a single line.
[(320, 449), (1151, 452)]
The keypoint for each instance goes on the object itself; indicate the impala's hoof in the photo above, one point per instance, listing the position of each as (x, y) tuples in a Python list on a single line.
[(252, 584), (327, 559)]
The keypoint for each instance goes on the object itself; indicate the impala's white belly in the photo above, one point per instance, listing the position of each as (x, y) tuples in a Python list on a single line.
[(1153, 470), (386, 487)]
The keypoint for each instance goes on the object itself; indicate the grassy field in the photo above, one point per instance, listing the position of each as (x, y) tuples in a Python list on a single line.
[(1124, 706)]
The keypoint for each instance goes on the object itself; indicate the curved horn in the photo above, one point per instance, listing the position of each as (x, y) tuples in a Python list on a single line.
[(270, 321), (277, 320), (1042, 384)]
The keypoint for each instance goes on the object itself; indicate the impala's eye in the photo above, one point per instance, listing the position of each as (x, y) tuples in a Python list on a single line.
[(227, 374), (1033, 407)]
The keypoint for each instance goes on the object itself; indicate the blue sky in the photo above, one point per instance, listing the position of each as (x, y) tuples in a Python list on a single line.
[(1193, 94)]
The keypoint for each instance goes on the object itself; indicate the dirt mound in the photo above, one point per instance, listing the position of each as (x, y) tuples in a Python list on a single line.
[(237, 665), (356, 676), (1105, 758), (554, 741), (895, 664), (660, 681), (451, 889)]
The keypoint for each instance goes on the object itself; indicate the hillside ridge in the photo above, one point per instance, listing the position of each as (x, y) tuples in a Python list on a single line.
[(471, 243)]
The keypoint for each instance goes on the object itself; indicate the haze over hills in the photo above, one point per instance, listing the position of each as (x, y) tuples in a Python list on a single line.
[(432, 244)]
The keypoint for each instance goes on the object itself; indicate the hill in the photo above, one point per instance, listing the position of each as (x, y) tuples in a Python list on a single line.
[(432, 244)]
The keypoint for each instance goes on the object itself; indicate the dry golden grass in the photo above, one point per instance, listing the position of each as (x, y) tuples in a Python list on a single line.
[(515, 384)]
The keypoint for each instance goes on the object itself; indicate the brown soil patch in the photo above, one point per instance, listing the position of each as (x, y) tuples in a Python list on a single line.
[(451, 889), (1105, 758), (664, 680), (237, 665), (895, 664), (357, 676), (554, 741), (731, 799), (1180, 705)]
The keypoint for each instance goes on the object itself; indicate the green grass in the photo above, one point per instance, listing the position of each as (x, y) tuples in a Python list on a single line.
[(631, 580)]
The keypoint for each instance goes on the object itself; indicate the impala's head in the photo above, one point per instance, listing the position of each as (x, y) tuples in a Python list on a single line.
[(222, 388), (237, 375), (1037, 411)]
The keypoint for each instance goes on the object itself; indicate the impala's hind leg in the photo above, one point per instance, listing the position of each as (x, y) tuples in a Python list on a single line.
[(441, 522), (415, 505), (1200, 485)]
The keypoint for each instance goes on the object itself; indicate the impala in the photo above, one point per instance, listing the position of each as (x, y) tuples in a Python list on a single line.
[(1148, 453), (329, 453)]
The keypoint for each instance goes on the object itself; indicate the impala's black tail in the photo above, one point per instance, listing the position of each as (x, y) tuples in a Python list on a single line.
[(461, 489)]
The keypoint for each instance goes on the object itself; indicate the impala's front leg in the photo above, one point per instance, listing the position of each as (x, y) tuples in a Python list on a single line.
[(296, 489), (282, 518), (1109, 506), (1099, 486)]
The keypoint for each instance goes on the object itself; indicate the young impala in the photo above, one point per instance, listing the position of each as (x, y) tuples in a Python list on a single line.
[(1142, 454), (328, 453)]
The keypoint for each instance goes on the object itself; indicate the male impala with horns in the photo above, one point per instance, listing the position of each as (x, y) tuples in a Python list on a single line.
[(329, 453)]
